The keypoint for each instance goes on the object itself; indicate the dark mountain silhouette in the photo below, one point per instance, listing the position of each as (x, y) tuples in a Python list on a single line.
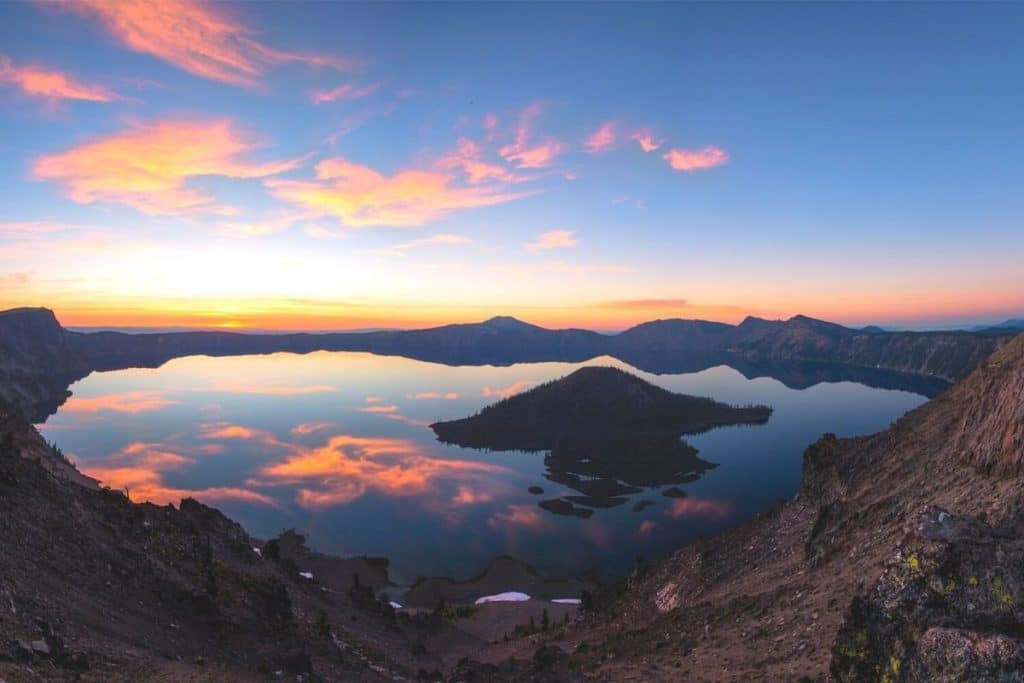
[(1012, 325), (608, 434), (45, 358), (591, 403)]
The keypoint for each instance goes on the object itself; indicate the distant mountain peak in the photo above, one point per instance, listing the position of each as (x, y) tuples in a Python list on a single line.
[(507, 322)]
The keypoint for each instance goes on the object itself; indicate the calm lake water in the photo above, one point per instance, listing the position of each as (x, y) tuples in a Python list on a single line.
[(336, 445)]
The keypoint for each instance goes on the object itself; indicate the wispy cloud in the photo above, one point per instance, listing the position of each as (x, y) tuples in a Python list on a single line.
[(346, 93), (436, 396), (602, 139), (434, 240), (198, 37), (359, 196), (510, 390), (645, 138), (644, 304), (527, 154), (41, 82), (696, 159), (468, 157), (147, 166), (132, 403), (554, 239)]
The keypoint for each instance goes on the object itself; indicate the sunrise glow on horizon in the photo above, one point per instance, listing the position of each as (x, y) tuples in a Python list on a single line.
[(324, 166)]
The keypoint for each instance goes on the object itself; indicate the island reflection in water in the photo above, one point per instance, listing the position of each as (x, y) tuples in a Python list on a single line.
[(337, 445)]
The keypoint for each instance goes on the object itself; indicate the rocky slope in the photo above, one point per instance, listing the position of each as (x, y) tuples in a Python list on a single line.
[(882, 568), (39, 359), (96, 588)]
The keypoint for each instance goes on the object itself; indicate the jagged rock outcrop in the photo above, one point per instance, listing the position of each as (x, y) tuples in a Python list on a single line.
[(948, 607)]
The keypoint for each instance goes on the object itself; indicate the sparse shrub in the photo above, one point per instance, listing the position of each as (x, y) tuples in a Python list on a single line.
[(323, 626)]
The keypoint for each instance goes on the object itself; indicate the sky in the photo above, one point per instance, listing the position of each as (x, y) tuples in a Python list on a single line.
[(349, 166)]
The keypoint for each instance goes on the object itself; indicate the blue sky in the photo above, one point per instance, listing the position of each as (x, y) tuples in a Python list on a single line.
[(858, 162)]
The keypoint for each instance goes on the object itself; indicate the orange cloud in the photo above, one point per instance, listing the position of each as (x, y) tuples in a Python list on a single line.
[(646, 140), (146, 167), (346, 92), (199, 37), (527, 155), (510, 390), (45, 83), (138, 469), (696, 159), (694, 507), (348, 466), (554, 239), (131, 402), (602, 139), (360, 196)]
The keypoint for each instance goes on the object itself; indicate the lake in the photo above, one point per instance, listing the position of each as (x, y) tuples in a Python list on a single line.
[(337, 446)]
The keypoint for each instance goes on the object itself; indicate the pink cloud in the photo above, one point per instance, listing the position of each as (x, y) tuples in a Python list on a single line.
[(468, 158), (347, 93), (531, 155), (696, 159), (602, 139), (554, 239), (646, 140), (37, 81), (198, 37)]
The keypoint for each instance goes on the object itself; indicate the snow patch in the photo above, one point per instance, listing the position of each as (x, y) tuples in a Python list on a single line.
[(306, 575), (511, 596), (257, 551), (568, 601), (395, 605)]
